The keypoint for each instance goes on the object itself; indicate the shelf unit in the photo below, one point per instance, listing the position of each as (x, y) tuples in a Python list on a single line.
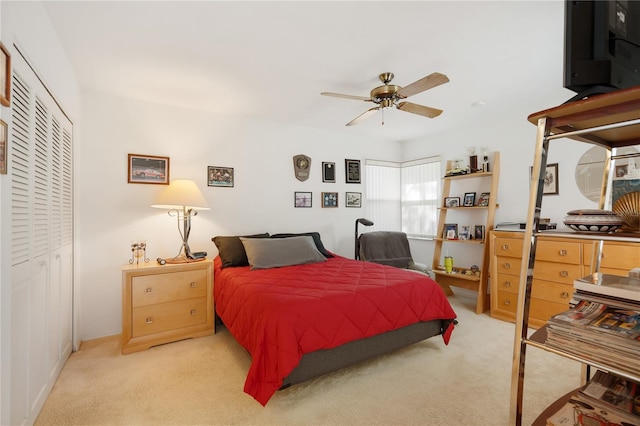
[(476, 283), (611, 121)]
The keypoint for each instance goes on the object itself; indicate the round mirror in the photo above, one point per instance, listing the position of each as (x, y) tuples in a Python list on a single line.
[(590, 170)]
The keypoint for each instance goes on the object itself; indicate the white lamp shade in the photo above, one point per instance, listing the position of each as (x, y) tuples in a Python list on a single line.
[(181, 193)]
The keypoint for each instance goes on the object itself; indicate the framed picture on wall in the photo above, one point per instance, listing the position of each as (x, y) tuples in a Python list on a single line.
[(5, 76), (220, 176), (302, 199), (352, 171), (148, 169), (328, 172), (353, 199), (329, 199), (3, 147), (550, 180)]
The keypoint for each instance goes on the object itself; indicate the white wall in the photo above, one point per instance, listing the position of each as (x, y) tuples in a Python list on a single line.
[(111, 212)]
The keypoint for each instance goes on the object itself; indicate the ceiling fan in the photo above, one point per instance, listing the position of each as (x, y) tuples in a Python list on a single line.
[(389, 95)]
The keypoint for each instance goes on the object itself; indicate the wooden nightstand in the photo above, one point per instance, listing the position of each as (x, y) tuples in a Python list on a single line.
[(166, 303)]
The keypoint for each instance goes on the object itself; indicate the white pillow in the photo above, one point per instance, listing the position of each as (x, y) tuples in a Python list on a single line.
[(265, 253)]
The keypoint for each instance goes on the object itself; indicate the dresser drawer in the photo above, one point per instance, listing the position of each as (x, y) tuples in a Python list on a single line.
[(152, 289), (507, 283), (507, 302), (553, 292), (558, 272), (508, 265), (614, 256), (558, 251), (161, 317), (508, 247), (542, 310)]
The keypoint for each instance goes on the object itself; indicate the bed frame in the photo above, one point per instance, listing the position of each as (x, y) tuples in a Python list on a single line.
[(321, 362)]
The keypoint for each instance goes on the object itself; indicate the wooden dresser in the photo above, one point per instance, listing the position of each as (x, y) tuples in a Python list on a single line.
[(165, 303), (558, 262)]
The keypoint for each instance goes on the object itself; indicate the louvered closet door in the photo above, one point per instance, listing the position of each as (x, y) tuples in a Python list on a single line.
[(41, 242)]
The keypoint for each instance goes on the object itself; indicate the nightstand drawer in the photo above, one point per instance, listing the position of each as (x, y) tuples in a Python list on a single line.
[(508, 247), (558, 251), (168, 316), (152, 289)]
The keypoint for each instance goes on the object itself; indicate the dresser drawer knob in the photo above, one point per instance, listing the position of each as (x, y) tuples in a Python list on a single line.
[(562, 252), (149, 290), (505, 247), (506, 265), (507, 302), (193, 312), (149, 320), (564, 274), (193, 284), (564, 295), (507, 283)]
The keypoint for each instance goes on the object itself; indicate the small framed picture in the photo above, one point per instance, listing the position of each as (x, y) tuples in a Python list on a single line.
[(4, 142), (148, 169), (302, 199), (220, 176), (483, 201), (328, 172), (478, 232), (353, 199), (469, 199), (329, 199), (622, 170), (450, 231), (465, 233), (550, 180), (352, 171), (451, 202), (5, 76)]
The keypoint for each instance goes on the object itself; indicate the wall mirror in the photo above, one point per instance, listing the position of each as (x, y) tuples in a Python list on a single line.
[(590, 170)]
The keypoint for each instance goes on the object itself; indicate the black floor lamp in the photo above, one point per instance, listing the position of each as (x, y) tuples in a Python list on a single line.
[(365, 222)]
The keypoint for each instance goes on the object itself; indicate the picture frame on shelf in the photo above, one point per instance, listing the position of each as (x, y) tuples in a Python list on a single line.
[(483, 201), (469, 199), (328, 172), (465, 233), (478, 232), (4, 142), (451, 202), (352, 171), (149, 169), (329, 199), (302, 199), (450, 231), (5, 76), (220, 176), (353, 199)]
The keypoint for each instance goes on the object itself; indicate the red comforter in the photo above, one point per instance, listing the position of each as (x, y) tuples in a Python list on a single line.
[(282, 313)]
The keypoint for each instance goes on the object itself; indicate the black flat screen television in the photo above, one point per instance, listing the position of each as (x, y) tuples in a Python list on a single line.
[(601, 46)]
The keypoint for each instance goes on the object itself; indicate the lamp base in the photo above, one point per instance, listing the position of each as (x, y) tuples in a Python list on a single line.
[(183, 259)]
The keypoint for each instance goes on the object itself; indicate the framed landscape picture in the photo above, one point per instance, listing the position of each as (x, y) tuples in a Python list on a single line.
[(148, 169), (353, 199), (302, 199), (220, 176)]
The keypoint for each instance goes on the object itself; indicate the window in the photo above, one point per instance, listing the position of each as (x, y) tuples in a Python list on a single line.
[(404, 196)]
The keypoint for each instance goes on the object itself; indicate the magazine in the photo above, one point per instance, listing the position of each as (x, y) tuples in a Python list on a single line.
[(614, 391), (577, 412)]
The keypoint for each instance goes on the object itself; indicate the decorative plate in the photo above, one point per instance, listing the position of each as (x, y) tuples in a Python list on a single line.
[(593, 220)]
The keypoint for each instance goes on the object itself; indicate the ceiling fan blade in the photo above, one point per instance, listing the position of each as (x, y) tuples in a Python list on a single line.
[(340, 95), (425, 83), (419, 109), (362, 116)]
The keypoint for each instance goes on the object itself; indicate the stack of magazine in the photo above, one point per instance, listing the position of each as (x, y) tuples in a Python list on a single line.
[(604, 323), (606, 400)]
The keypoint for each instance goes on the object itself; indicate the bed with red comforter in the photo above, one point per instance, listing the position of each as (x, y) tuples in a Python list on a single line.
[(280, 314)]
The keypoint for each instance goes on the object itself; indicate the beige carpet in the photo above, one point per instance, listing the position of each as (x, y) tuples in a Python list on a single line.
[(200, 381)]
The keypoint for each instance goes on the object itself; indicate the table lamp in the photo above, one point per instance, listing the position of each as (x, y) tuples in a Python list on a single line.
[(183, 199)]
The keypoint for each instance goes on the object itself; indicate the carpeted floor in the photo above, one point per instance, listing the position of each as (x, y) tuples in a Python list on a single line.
[(200, 381)]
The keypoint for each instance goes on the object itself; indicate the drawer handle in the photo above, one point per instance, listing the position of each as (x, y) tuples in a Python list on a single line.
[(562, 252), (149, 290), (507, 302), (564, 295), (194, 284), (506, 265), (507, 283), (149, 320), (505, 247), (193, 312), (564, 274)]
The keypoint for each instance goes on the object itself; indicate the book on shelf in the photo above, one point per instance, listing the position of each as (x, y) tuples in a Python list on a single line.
[(610, 285)]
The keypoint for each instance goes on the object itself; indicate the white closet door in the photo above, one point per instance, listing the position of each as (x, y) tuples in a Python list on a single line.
[(41, 242)]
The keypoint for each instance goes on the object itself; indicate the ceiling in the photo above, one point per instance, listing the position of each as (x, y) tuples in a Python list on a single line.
[(270, 60)]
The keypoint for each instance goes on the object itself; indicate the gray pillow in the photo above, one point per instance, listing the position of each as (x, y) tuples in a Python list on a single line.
[(231, 249), (265, 253)]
